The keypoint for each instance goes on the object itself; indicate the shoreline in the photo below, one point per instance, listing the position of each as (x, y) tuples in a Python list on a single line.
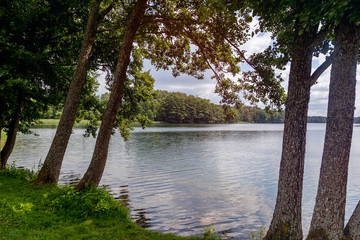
[(59, 212)]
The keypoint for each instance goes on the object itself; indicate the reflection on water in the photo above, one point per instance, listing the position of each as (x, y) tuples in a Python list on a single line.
[(179, 179)]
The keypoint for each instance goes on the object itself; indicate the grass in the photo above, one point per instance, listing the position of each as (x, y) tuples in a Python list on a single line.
[(56, 122), (51, 212), (53, 123)]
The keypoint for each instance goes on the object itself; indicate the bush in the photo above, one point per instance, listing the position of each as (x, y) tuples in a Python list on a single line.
[(259, 235), (20, 173)]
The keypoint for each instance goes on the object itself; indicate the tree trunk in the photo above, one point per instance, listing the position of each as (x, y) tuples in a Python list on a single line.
[(50, 171), (11, 136), (94, 172), (329, 210), (352, 229), (286, 222)]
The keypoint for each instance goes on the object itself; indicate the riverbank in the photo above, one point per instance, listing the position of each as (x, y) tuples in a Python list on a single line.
[(51, 212), (53, 123)]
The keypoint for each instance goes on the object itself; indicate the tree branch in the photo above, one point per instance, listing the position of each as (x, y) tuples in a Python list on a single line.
[(146, 20), (189, 35), (108, 29), (104, 12), (319, 37), (321, 69), (158, 19), (240, 53), (158, 32)]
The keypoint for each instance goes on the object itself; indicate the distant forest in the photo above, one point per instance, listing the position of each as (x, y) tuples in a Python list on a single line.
[(177, 107)]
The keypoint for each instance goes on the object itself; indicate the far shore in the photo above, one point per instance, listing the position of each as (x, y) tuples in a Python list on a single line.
[(53, 123)]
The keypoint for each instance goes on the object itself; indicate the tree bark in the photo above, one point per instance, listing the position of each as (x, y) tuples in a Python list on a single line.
[(352, 229), (50, 171), (286, 222), (329, 211), (95, 170), (11, 136)]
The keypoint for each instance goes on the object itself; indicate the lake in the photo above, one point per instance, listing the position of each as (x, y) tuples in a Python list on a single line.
[(180, 178)]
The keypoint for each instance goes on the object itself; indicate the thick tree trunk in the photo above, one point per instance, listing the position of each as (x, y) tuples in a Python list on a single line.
[(286, 222), (329, 210), (94, 172), (50, 171), (11, 136), (352, 229)]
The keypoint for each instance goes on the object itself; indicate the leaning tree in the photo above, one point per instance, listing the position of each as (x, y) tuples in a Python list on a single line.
[(50, 170), (36, 60), (188, 36)]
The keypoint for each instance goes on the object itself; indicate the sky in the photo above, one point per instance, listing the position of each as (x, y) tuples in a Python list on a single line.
[(205, 88)]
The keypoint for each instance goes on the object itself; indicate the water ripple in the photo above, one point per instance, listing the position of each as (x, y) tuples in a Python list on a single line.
[(180, 179)]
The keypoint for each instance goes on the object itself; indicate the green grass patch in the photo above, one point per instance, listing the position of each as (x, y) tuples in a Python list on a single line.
[(49, 121), (51, 212), (56, 121), (53, 123)]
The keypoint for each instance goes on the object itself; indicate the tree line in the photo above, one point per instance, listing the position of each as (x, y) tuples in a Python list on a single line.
[(177, 107), (48, 52)]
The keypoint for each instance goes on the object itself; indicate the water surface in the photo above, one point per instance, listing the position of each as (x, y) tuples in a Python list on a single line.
[(179, 178)]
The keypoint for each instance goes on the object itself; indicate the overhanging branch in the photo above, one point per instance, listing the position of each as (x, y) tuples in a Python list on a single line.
[(104, 12), (189, 35), (321, 69), (320, 36)]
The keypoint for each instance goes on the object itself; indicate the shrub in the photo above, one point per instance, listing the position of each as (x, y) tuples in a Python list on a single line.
[(20, 173), (92, 202), (259, 235)]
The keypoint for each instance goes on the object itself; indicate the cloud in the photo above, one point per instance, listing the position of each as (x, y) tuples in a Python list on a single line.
[(320, 92), (257, 44), (187, 84), (203, 88), (101, 79)]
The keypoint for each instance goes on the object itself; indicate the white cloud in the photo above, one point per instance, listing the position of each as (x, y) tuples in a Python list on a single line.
[(257, 44), (320, 92), (187, 84), (101, 80)]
